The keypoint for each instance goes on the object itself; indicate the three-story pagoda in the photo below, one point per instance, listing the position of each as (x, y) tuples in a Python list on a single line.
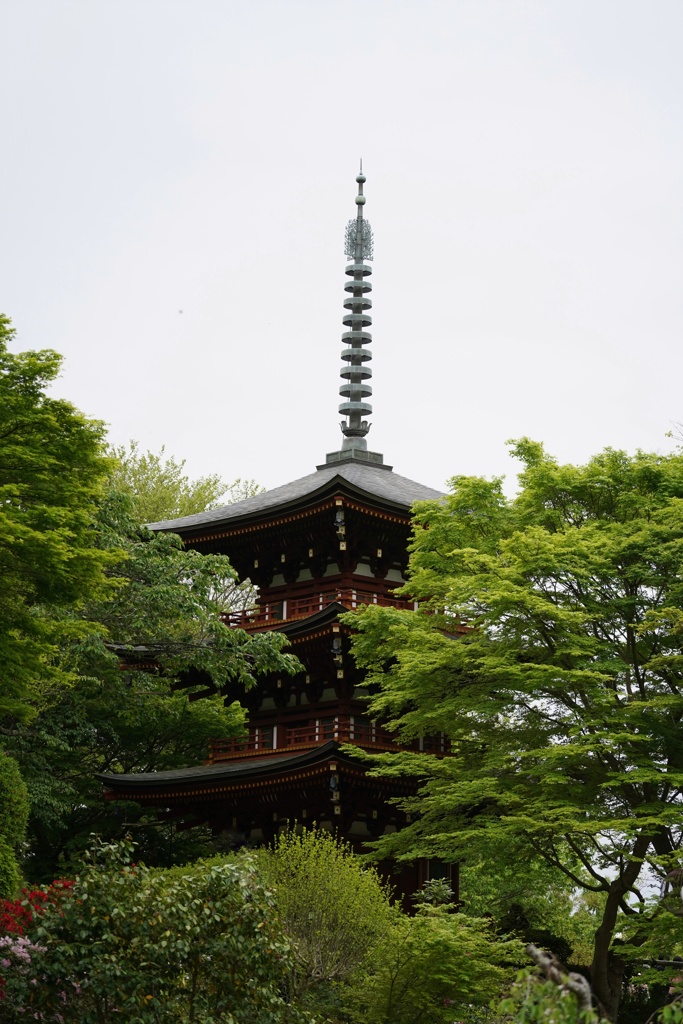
[(314, 549)]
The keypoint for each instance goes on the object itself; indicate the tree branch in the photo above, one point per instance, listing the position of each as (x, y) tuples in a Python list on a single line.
[(566, 981)]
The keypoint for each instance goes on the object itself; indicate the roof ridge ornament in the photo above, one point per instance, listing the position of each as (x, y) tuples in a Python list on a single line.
[(359, 243), (359, 248)]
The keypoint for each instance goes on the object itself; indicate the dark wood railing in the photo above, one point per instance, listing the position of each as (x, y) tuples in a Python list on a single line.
[(269, 614), (343, 728)]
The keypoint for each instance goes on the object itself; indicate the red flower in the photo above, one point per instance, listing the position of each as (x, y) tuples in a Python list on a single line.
[(17, 915)]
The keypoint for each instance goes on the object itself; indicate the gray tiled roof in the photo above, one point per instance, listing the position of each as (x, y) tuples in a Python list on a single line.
[(226, 771), (369, 480), (200, 773)]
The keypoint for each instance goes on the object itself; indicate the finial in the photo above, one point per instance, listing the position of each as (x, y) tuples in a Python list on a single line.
[(359, 247), (359, 242), (356, 356)]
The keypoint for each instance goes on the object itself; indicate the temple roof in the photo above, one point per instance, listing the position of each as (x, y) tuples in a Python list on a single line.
[(273, 765), (353, 470), (377, 484)]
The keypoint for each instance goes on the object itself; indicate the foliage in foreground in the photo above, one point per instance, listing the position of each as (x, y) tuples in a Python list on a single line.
[(196, 945), (433, 968), (358, 957), (552, 661), (535, 1000), (212, 943), (553, 995), (333, 910), (13, 818)]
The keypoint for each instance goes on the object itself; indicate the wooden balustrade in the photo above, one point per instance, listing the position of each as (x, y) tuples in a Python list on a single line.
[(268, 614), (282, 739)]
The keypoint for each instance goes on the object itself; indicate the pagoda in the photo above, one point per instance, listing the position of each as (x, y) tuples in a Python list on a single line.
[(313, 549)]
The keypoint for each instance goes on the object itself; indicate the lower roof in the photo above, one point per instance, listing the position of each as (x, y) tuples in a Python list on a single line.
[(270, 766)]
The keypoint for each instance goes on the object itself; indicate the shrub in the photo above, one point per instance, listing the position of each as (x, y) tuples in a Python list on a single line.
[(156, 947), (333, 910), (9, 871), (16, 916), (16, 956), (433, 968), (13, 818), (535, 1000), (13, 802)]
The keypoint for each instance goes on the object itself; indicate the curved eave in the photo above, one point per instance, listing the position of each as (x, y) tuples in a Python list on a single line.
[(375, 487), (217, 776)]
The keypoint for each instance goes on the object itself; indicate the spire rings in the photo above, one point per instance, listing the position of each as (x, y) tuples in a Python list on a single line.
[(362, 372), (359, 408), (357, 285), (364, 269), (353, 390), (357, 337), (361, 354), (357, 321), (360, 301)]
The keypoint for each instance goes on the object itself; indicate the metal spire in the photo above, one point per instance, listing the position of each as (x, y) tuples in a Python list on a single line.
[(359, 248), (356, 371)]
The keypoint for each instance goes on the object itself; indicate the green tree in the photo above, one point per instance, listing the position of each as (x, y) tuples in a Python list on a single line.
[(194, 945), (549, 650), (52, 471), (85, 591), (13, 818), (148, 691), (527, 897), (334, 910), (160, 488), (433, 968)]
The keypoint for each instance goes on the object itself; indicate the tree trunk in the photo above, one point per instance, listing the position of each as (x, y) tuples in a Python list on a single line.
[(607, 975), (607, 969)]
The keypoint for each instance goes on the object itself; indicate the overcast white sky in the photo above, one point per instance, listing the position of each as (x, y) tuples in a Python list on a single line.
[(525, 184)]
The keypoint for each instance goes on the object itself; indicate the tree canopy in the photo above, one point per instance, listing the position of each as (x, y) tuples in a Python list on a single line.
[(52, 473), (333, 910), (13, 817), (199, 944), (549, 651), (101, 620), (132, 706), (160, 488)]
